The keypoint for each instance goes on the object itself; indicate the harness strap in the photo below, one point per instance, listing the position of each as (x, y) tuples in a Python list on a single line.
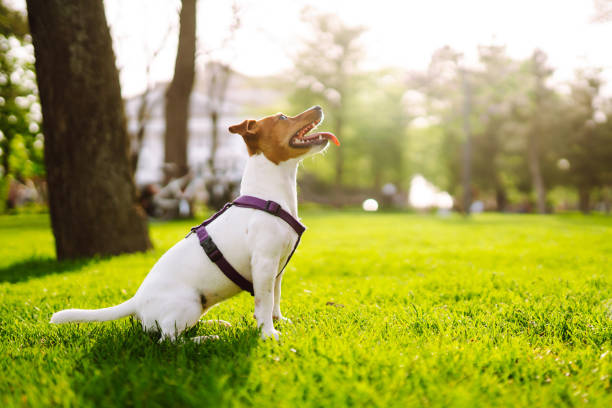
[(271, 207), (215, 255), (211, 219)]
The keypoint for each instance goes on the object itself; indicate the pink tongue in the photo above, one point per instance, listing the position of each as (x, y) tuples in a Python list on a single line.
[(331, 137)]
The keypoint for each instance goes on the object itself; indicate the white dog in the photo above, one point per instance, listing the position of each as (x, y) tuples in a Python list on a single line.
[(185, 283)]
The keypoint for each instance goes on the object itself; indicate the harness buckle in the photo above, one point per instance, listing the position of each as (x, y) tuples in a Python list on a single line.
[(211, 249), (272, 207)]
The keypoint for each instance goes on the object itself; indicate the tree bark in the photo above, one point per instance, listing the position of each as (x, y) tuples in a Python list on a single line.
[(340, 107), (533, 159), (339, 155), (467, 146), (217, 89), (584, 199), (533, 149), (501, 198), (138, 136), (179, 92), (92, 199)]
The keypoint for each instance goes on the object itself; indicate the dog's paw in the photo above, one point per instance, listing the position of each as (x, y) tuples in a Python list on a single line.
[(201, 339), (219, 322), (270, 334), (282, 319)]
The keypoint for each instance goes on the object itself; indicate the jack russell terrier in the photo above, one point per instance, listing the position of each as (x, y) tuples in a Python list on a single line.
[(253, 239)]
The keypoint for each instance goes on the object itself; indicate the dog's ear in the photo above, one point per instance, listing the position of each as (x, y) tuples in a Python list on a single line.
[(248, 131), (246, 128)]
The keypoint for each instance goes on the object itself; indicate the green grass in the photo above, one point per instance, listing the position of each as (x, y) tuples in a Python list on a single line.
[(388, 310)]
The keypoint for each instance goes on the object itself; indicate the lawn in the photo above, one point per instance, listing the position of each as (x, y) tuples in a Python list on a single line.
[(388, 310)]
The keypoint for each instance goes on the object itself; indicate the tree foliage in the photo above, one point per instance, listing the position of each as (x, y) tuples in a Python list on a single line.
[(527, 136), (364, 109), (325, 70), (21, 140)]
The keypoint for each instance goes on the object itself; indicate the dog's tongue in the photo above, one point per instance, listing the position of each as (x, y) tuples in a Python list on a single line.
[(332, 137)]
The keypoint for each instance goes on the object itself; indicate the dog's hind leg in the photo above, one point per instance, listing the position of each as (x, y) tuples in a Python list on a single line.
[(179, 318)]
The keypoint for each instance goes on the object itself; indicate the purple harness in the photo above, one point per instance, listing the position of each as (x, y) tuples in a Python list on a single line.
[(215, 255)]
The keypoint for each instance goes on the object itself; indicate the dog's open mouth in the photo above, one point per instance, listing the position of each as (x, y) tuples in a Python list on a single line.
[(303, 139)]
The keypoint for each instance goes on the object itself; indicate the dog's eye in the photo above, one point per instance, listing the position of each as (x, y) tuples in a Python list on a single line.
[(282, 117)]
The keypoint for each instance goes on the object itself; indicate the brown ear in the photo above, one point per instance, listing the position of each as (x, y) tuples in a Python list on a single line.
[(246, 128)]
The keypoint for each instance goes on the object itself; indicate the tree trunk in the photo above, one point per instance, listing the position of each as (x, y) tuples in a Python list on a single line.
[(217, 89), (214, 142), (533, 159), (339, 154), (138, 137), (92, 198), (216, 199), (179, 92), (501, 198), (501, 195), (467, 147), (584, 199), (533, 150)]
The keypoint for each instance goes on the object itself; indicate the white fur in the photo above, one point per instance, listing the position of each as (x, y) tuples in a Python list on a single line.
[(257, 244)]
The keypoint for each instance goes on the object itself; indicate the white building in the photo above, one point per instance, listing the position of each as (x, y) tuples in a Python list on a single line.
[(245, 97)]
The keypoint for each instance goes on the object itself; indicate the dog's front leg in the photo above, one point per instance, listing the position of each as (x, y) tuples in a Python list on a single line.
[(264, 274), (276, 313)]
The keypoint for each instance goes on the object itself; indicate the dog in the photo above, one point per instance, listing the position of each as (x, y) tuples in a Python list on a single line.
[(184, 283)]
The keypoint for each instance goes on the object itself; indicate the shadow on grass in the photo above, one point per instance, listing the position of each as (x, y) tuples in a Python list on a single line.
[(130, 368), (36, 267)]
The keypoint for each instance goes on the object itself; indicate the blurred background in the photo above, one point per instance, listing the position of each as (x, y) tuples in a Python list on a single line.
[(443, 106)]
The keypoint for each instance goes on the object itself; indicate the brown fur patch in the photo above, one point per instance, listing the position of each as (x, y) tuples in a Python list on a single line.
[(271, 135)]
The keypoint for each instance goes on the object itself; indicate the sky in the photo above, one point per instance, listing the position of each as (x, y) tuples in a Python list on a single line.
[(399, 33)]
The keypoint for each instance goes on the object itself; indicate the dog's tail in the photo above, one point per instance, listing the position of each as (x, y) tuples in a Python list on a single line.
[(124, 309)]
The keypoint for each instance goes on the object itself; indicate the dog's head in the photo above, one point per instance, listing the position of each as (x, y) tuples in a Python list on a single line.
[(280, 137)]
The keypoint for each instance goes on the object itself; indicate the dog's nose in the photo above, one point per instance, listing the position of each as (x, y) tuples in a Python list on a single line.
[(317, 107)]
